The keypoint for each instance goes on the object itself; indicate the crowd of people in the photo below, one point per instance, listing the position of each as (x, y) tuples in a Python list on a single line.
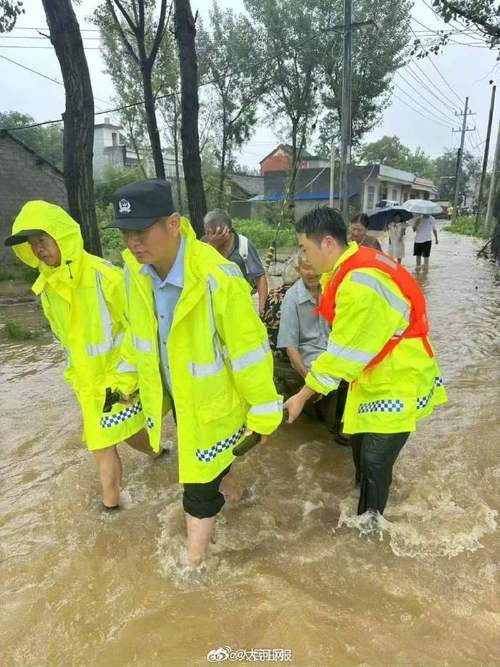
[(344, 339)]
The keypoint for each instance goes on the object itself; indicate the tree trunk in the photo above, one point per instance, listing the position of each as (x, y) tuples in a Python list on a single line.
[(222, 171), (136, 149), (185, 32), (154, 135), (175, 135), (78, 118)]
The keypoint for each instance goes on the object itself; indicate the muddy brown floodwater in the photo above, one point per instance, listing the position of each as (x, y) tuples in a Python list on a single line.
[(291, 568)]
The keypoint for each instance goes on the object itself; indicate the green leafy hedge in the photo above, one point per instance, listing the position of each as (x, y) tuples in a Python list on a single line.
[(262, 234)]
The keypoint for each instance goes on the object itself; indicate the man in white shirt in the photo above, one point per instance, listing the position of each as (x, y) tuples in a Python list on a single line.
[(424, 227)]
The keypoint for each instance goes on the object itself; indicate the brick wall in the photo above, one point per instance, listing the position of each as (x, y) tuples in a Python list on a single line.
[(278, 161), (24, 176)]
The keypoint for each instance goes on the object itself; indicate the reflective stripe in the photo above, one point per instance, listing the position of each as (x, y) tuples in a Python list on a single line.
[(126, 273), (266, 408), (141, 344), (349, 353), (395, 301), (387, 260), (252, 357), (205, 370), (125, 367), (211, 367), (231, 270), (103, 348), (326, 380), (97, 349)]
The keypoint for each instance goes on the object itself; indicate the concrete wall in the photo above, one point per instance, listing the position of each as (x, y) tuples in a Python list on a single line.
[(24, 176)]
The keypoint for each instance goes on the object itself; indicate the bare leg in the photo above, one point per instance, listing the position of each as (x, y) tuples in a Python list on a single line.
[(426, 263), (419, 261), (110, 473), (140, 442), (199, 534)]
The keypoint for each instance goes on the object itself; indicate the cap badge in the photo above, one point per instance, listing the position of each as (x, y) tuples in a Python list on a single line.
[(124, 206)]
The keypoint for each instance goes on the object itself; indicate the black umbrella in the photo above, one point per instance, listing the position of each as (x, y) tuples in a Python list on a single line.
[(380, 217)]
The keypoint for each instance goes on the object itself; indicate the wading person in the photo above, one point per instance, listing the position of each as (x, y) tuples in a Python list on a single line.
[(378, 343), (197, 346), (397, 230), (424, 227), (83, 298), (237, 248)]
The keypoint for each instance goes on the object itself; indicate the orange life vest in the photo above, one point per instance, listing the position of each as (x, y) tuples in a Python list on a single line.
[(369, 258)]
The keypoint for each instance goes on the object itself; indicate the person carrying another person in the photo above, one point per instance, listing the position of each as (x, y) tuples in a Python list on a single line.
[(424, 227), (378, 343), (237, 248), (303, 333), (83, 298), (359, 232), (198, 347)]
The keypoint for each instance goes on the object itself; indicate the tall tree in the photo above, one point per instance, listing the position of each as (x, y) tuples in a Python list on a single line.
[(185, 34), (378, 51), (287, 33), (390, 151), (78, 118), (141, 35), (445, 166), (235, 72), (128, 81)]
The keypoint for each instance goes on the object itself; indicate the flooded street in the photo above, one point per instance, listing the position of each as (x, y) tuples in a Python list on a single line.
[(291, 568)]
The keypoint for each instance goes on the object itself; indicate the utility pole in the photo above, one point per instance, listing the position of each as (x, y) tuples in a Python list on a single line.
[(346, 111), (493, 184), (332, 173), (485, 160), (459, 157)]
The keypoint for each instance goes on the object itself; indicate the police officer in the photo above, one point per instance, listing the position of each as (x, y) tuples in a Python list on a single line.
[(197, 346)]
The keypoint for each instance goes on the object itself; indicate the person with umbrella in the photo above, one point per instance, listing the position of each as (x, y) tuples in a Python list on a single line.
[(424, 227)]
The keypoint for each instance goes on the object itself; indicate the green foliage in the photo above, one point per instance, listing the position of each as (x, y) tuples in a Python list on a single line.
[(6, 274), (465, 226), (229, 60), (29, 273), (445, 169), (262, 234), (10, 10), (46, 140), (377, 53), (110, 180), (111, 239), (15, 331), (390, 151)]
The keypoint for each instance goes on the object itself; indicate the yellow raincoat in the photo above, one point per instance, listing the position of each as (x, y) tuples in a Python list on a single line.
[(400, 390), (85, 304), (220, 363)]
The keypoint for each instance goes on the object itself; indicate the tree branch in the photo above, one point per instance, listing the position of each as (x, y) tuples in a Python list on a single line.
[(121, 32), (159, 32)]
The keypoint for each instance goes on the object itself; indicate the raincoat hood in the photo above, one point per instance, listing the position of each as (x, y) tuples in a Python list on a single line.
[(53, 220)]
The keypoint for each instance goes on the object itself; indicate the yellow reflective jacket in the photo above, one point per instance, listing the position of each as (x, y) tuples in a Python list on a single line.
[(85, 304), (405, 386), (220, 362)]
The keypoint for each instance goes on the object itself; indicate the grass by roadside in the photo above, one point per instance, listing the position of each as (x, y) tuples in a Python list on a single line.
[(466, 226)]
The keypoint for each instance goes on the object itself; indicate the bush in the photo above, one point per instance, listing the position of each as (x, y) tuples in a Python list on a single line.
[(111, 239), (29, 273), (262, 234), (110, 180), (6, 274), (466, 226), (16, 331)]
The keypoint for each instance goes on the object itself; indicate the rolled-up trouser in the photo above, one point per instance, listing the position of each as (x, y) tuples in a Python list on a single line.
[(204, 500), (374, 455)]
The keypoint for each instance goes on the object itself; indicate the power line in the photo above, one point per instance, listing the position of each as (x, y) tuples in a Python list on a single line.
[(432, 120), (431, 91), (46, 28), (51, 48), (433, 83), (443, 118)]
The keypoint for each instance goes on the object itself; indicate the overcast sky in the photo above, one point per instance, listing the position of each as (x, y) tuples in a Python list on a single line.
[(467, 68)]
